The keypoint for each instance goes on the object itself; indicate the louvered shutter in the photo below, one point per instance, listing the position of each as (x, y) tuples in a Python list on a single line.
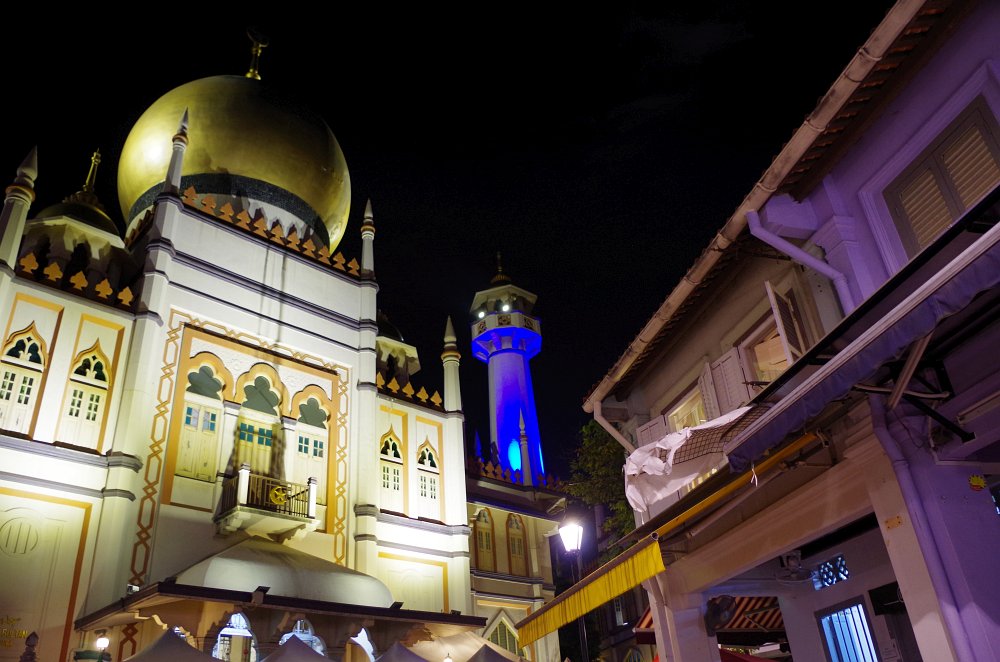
[(789, 329), (951, 176), (706, 385), (651, 432), (731, 389)]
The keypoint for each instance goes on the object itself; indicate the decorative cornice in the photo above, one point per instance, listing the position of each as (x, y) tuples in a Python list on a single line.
[(41, 448), (65, 487), (369, 510), (367, 537), (503, 576)]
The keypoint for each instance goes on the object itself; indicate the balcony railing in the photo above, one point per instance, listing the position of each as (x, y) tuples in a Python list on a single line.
[(247, 490)]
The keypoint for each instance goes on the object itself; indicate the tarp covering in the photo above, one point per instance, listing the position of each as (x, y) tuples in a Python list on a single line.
[(170, 648), (948, 291), (603, 585), (460, 647), (399, 653), (294, 650), (656, 471)]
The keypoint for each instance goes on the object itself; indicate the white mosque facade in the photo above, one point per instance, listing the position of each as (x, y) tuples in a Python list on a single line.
[(204, 427)]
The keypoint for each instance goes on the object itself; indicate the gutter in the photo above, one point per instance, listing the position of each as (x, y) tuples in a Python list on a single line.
[(758, 230), (922, 530), (849, 80)]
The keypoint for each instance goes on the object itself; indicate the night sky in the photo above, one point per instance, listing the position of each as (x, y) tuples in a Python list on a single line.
[(599, 152)]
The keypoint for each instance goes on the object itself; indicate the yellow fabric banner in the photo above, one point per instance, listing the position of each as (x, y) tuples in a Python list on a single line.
[(609, 581)]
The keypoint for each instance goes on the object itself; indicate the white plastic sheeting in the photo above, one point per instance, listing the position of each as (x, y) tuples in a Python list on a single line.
[(652, 477)]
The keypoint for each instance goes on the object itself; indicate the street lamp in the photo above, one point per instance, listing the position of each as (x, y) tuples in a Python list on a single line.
[(102, 643), (571, 532)]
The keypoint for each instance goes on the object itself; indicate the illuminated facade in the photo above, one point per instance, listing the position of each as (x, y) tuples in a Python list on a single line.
[(205, 424)]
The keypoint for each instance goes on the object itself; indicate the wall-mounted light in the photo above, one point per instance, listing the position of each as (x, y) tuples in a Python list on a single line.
[(482, 314), (505, 308), (102, 642), (447, 658)]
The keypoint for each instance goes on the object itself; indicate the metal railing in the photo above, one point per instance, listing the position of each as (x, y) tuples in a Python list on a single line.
[(265, 493)]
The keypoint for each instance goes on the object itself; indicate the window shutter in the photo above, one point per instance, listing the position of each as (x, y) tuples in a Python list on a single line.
[(926, 208), (651, 432), (789, 329), (707, 387), (971, 166), (730, 383)]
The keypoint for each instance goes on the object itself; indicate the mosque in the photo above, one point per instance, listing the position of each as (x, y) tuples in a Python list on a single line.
[(206, 425)]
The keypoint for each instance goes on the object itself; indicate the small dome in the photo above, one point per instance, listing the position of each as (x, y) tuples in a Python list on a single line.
[(288, 572), (244, 141), (89, 214)]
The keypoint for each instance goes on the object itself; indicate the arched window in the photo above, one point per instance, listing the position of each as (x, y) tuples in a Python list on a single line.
[(201, 426), (516, 547), (310, 448), (392, 465), (88, 396), (258, 429), (428, 474), (485, 558), (303, 629), (236, 642), (21, 367), (505, 637)]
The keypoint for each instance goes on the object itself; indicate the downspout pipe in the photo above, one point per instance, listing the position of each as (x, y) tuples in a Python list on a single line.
[(758, 230), (611, 429), (921, 528)]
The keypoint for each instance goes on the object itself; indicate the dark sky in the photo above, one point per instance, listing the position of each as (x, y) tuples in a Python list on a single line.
[(597, 151)]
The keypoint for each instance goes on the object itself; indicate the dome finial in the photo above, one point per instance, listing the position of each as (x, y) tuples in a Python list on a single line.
[(95, 160), (500, 276), (259, 44)]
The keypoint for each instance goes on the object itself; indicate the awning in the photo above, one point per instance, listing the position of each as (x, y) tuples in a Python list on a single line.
[(640, 562), (940, 282), (629, 569)]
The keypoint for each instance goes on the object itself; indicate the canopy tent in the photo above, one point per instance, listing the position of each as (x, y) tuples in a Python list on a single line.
[(726, 655), (461, 647), (399, 653), (294, 650), (170, 647)]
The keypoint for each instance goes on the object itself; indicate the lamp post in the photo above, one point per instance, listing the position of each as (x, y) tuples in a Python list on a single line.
[(571, 532), (102, 644)]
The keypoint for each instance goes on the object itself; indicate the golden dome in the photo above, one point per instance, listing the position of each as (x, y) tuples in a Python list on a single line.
[(243, 141)]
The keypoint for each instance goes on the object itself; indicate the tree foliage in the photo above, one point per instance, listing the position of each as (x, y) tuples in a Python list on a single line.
[(597, 478)]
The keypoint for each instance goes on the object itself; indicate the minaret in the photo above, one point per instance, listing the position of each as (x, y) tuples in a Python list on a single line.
[(172, 183), (505, 336), (450, 358), (17, 201), (368, 242)]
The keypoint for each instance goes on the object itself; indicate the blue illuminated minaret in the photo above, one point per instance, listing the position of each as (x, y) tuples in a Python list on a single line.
[(505, 336)]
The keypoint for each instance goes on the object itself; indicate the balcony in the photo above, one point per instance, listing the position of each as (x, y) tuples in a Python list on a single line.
[(266, 506)]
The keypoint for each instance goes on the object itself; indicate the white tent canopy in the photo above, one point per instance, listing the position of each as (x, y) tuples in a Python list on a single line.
[(294, 650), (460, 647), (170, 648), (399, 653)]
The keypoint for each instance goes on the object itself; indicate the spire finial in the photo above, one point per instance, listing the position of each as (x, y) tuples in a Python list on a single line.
[(259, 44), (28, 170), (521, 421), (500, 276), (95, 160), (182, 128), (368, 210), (449, 333)]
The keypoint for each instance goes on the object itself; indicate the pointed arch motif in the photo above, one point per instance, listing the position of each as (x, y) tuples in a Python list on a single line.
[(485, 541), (428, 482), (24, 358), (392, 465), (86, 400), (311, 441), (236, 642), (249, 379), (219, 371), (517, 549), (303, 630), (27, 348), (503, 633)]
